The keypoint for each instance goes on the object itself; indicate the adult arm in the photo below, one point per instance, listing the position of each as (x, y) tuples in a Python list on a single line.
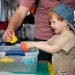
[(15, 22)]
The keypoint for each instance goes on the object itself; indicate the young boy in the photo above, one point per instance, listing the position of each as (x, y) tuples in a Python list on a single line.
[(62, 44)]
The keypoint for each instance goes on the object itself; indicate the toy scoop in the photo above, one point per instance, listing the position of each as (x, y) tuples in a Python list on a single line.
[(23, 46), (14, 39)]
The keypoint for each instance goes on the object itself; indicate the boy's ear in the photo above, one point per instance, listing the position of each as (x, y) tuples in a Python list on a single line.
[(65, 23)]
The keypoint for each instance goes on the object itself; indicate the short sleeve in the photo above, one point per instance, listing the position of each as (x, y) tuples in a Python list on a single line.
[(27, 3), (66, 44)]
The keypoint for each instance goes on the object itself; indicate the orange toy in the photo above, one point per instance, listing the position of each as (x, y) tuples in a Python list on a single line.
[(23, 46)]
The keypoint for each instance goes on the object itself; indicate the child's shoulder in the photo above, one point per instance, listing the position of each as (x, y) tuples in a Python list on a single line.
[(72, 39)]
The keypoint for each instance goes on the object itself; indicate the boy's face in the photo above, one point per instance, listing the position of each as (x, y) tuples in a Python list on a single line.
[(57, 25)]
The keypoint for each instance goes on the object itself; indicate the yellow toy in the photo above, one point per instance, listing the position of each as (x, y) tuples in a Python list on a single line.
[(6, 59), (14, 39)]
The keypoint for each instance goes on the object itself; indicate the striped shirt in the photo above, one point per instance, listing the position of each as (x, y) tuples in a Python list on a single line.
[(42, 28)]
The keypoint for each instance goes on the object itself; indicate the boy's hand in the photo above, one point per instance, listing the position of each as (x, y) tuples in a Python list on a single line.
[(26, 45)]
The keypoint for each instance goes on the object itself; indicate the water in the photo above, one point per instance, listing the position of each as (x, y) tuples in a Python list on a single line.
[(18, 67)]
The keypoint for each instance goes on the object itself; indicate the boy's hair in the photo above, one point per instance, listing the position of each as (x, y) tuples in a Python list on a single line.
[(53, 14)]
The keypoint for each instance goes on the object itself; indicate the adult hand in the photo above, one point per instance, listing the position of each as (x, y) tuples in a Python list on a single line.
[(7, 35)]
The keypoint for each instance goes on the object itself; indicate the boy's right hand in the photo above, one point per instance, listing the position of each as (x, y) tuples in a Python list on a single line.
[(7, 35), (24, 46)]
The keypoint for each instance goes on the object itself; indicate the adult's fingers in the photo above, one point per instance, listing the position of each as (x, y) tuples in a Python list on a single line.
[(7, 35)]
